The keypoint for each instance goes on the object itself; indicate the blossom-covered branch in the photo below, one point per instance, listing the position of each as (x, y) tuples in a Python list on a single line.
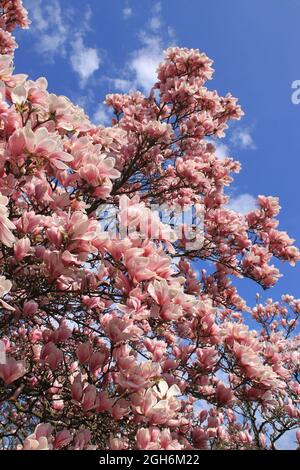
[(116, 342)]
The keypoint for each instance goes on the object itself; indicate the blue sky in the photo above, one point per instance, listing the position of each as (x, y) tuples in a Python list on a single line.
[(87, 49)]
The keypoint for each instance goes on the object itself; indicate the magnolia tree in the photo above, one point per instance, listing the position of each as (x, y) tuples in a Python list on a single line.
[(110, 339)]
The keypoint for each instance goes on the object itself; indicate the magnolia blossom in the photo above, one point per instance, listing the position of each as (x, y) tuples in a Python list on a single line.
[(159, 404), (40, 144), (154, 439), (5, 66), (42, 439), (12, 370), (6, 236), (5, 287)]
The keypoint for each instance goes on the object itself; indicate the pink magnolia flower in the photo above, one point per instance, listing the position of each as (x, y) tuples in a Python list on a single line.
[(119, 329), (41, 145), (89, 398), (8, 43), (157, 348), (77, 389), (62, 439), (269, 204), (15, 15), (137, 376), (207, 358), (98, 171), (79, 227), (51, 355), (84, 351), (30, 308), (142, 222), (12, 370), (35, 92), (6, 237), (255, 369), (5, 286), (159, 404), (19, 95), (62, 333), (137, 265), (21, 248), (82, 439), (40, 439), (5, 67), (32, 443), (96, 361), (160, 291), (224, 395), (116, 443), (154, 439)]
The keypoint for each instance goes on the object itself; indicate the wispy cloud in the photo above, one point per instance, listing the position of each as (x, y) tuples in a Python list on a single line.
[(84, 60), (121, 84), (48, 23), (242, 138), (60, 33), (140, 69), (155, 20), (222, 151), (102, 116), (144, 62), (127, 11), (154, 39), (243, 203)]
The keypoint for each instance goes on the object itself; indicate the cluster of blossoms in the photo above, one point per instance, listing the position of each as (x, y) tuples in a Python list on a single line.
[(12, 14), (116, 343)]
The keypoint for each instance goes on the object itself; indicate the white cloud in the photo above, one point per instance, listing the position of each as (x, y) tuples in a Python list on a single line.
[(84, 60), (60, 31), (154, 23), (49, 44), (222, 151), (127, 12), (156, 8), (155, 20), (122, 84), (140, 69), (36, 15), (171, 34), (49, 25), (144, 63), (88, 16), (102, 116), (241, 137), (242, 203)]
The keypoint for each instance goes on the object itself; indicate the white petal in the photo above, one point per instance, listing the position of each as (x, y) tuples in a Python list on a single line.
[(19, 95)]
